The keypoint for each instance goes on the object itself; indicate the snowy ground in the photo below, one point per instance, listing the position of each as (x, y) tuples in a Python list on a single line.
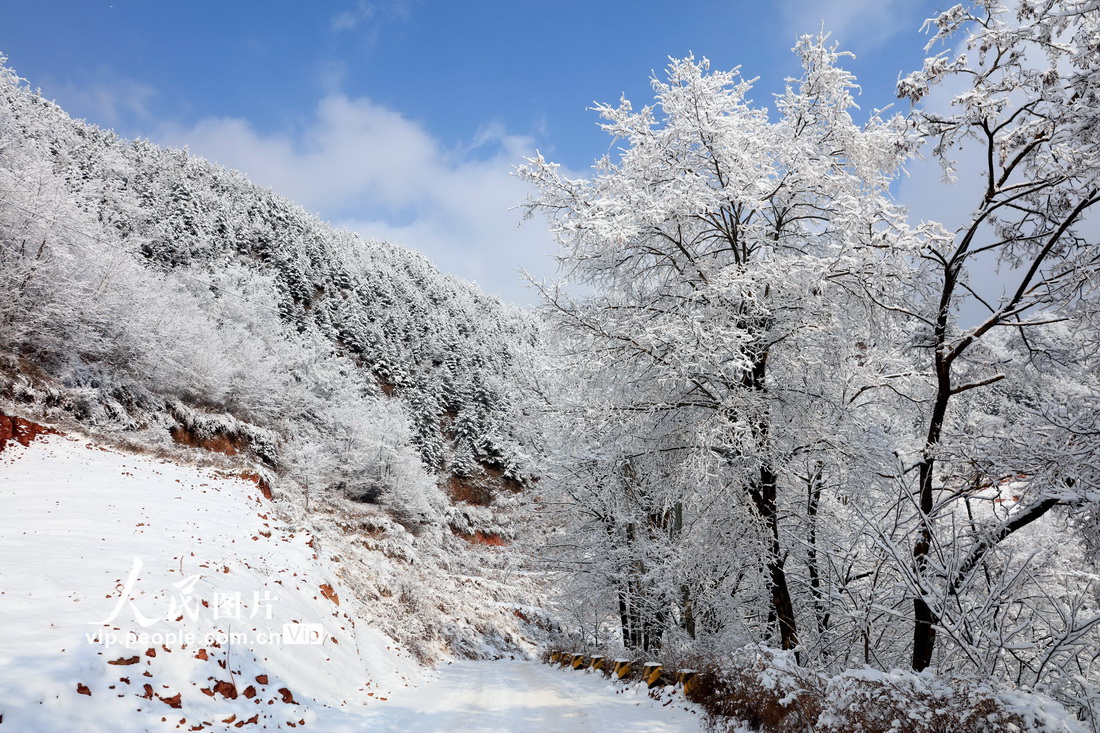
[(138, 595), (523, 696)]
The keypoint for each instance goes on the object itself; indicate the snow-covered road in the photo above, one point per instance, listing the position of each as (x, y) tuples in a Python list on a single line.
[(526, 697)]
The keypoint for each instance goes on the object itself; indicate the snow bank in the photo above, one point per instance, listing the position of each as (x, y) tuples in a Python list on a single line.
[(140, 595)]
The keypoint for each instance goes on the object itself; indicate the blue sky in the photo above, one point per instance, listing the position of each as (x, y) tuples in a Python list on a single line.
[(401, 119)]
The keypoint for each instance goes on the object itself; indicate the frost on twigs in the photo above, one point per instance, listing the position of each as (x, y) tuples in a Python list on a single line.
[(780, 410)]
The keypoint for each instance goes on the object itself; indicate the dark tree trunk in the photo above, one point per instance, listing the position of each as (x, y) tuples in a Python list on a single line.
[(687, 621), (781, 595), (924, 618), (813, 502), (624, 619), (763, 492)]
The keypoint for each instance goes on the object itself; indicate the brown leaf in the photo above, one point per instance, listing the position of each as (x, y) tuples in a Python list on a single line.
[(125, 660), (329, 593), (172, 702), (226, 689)]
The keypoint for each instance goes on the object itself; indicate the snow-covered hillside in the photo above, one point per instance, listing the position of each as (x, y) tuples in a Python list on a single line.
[(133, 590), (173, 300), (172, 306)]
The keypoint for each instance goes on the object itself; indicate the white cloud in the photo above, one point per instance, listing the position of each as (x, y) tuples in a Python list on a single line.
[(368, 168), (368, 16), (859, 25), (363, 12), (104, 98)]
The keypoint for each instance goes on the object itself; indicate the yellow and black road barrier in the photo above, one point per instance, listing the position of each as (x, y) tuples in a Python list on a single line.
[(653, 674)]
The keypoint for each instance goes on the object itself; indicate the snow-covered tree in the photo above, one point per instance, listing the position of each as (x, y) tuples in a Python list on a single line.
[(780, 379), (729, 267), (1027, 105)]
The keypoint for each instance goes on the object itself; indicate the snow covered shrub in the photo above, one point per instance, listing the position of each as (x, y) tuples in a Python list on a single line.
[(767, 690), (870, 701), (762, 687), (361, 448), (222, 433), (906, 702)]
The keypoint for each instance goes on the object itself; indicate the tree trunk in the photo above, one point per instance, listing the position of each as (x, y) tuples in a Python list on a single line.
[(781, 595), (813, 502), (763, 492), (924, 618)]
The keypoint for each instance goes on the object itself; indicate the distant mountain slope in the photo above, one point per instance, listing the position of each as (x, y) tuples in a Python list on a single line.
[(155, 299), (440, 346)]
